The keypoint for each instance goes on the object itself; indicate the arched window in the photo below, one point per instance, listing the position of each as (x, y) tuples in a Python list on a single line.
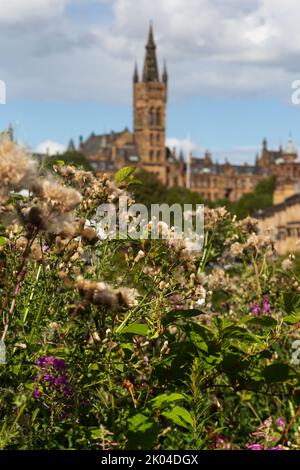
[(151, 155), (158, 117), (151, 117), (151, 140)]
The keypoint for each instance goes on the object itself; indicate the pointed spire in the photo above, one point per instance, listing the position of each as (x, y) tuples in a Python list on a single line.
[(71, 146), (10, 132), (165, 73), (265, 144), (150, 73), (135, 74)]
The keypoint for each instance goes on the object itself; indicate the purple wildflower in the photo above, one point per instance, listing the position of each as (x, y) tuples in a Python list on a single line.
[(255, 447), (37, 393), (276, 448), (54, 376), (264, 308), (68, 391), (280, 422)]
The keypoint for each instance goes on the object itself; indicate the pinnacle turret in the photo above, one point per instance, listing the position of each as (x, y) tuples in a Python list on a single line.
[(150, 72)]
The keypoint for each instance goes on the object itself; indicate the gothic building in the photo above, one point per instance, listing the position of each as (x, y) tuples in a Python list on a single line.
[(214, 181), (226, 181), (145, 147)]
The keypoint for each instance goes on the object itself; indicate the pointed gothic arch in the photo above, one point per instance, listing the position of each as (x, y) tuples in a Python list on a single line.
[(158, 117), (151, 117)]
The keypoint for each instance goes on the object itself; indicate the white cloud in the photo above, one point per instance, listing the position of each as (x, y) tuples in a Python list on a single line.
[(21, 11), (185, 145), (212, 47), (50, 147)]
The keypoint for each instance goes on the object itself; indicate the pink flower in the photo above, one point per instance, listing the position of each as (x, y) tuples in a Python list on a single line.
[(281, 422), (264, 308), (255, 447)]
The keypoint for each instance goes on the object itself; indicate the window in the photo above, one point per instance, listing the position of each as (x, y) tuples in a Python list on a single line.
[(151, 155), (151, 140), (151, 117), (158, 154), (158, 117), (139, 119), (158, 138)]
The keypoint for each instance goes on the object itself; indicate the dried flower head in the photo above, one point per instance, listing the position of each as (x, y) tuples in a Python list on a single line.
[(17, 168)]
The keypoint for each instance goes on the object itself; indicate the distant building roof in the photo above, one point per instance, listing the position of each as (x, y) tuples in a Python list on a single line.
[(290, 148), (200, 166)]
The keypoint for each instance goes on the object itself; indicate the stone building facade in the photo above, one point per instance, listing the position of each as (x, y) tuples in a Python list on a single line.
[(226, 181), (282, 223), (145, 147), (215, 181)]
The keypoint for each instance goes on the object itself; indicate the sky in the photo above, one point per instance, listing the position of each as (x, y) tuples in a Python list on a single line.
[(68, 65)]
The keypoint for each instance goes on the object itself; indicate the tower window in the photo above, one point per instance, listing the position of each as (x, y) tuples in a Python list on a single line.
[(158, 154), (151, 117), (151, 155), (158, 117), (151, 139), (158, 138)]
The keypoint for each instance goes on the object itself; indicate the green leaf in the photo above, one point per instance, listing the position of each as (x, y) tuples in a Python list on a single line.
[(278, 372), (291, 305), (139, 422), (291, 302), (180, 416), (165, 399), (135, 329), (267, 322), (237, 332), (2, 241), (124, 173), (142, 432), (177, 314), (134, 182), (292, 319)]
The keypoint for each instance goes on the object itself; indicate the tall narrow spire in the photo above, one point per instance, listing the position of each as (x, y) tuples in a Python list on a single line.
[(135, 74), (165, 73), (150, 73)]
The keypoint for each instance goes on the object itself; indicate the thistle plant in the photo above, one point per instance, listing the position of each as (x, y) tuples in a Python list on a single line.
[(132, 343)]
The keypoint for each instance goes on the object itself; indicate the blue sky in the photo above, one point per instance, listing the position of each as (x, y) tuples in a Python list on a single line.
[(68, 67)]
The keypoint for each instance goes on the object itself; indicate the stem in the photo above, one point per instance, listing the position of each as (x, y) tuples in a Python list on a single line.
[(290, 424), (19, 279), (32, 294)]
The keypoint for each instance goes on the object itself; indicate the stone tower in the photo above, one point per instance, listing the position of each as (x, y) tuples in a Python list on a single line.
[(150, 99)]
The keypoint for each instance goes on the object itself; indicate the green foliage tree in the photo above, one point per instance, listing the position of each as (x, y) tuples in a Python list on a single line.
[(152, 191), (260, 198), (69, 158)]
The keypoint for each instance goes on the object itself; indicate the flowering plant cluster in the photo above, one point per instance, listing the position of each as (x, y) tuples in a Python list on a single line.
[(52, 375), (138, 344), (264, 308)]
